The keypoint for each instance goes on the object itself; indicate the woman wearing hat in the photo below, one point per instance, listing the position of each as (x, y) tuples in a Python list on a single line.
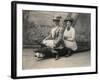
[(69, 36), (54, 39)]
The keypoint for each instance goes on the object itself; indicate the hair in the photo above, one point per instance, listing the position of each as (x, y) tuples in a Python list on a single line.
[(69, 20)]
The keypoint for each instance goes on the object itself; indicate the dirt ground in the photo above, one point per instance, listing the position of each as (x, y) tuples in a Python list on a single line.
[(79, 59)]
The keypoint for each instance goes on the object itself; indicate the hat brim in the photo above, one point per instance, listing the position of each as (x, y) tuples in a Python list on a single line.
[(68, 20), (56, 20)]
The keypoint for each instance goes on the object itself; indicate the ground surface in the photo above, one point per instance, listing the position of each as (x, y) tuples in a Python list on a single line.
[(79, 59)]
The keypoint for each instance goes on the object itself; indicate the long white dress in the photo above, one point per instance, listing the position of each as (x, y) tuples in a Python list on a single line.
[(69, 39)]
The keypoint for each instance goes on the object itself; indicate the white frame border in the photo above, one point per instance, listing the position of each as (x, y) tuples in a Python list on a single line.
[(36, 72)]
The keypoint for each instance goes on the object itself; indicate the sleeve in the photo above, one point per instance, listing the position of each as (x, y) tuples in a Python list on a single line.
[(49, 36)]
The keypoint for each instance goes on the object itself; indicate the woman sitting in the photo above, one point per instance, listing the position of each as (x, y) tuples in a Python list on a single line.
[(69, 36), (54, 39)]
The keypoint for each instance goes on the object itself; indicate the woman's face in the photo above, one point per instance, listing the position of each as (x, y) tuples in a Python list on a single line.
[(68, 23)]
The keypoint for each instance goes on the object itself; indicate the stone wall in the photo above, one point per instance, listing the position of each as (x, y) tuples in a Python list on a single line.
[(37, 25)]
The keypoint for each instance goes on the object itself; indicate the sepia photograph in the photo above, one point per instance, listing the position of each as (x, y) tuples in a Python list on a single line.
[(56, 39), (53, 39)]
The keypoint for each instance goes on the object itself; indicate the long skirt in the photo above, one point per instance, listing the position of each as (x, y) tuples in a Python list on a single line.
[(48, 43), (70, 44)]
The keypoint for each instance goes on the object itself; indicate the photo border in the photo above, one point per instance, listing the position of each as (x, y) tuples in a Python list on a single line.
[(14, 38)]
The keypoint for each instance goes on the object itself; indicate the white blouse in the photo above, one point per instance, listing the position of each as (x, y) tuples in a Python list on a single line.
[(69, 38), (50, 43)]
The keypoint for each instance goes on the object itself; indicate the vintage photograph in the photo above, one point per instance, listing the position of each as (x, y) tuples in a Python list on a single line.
[(54, 39)]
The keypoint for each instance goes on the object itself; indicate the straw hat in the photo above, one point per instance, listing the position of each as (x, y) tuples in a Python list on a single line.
[(68, 18), (57, 18)]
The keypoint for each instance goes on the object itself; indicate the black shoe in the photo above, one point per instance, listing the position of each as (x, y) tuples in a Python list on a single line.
[(67, 55), (57, 57)]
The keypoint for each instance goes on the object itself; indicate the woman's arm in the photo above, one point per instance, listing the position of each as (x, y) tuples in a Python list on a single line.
[(48, 37)]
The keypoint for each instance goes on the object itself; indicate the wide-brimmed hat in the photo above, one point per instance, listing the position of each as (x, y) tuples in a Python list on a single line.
[(57, 18), (68, 18)]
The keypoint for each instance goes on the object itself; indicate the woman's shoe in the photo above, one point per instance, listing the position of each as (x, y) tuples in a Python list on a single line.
[(67, 55), (57, 57)]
